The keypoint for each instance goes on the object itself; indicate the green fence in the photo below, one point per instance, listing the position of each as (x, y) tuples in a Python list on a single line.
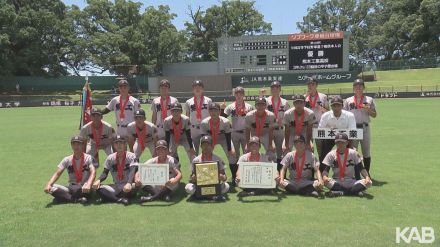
[(419, 63)]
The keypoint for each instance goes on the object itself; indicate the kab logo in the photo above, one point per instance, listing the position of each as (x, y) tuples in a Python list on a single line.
[(425, 235)]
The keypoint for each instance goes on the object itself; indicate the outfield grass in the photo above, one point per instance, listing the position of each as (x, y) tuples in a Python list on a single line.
[(404, 161)]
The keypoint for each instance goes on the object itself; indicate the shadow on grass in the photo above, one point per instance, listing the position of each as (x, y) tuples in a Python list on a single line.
[(274, 196), (176, 197), (378, 183)]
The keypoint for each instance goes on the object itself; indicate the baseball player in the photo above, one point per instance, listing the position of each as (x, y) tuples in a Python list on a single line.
[(162, 191), (208, 156), (302, 165), (260, 122), (337, 118), (278, 106), (81, 170), (98, 133), (254, 155), (298, 121), (363, 107), (196, 109), (219, 128), (141, 134), (161, 108), (120, 164), (124, 106), (178, 132), (318, 103), (343, 161), (237, 111)]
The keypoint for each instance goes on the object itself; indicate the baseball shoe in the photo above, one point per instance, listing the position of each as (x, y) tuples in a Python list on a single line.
[(81, 200), (314, 194), (336, 193), (123, 201), (361, 194), (167, 198), (146, 199), (245, 193), (219, 198)]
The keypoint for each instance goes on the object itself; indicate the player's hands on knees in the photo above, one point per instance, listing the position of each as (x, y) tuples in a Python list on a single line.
[(325, 180), (47, 188), (86, 188), (97, 184), (367, 181), (127, 187), (172, 181)]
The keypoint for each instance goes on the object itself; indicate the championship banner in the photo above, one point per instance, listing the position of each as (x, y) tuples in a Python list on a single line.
[(327, 133), (154, 174), (257, 175), (208, 183), (86, 104)]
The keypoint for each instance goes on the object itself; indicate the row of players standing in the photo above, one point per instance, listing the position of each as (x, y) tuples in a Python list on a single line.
[(273, 121)]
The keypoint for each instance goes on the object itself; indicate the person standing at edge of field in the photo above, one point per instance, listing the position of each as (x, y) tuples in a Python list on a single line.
[(161, 108), (98, 133), (120, 164), (337, 118), (363, 107), (298, 121), (254, 155), (178, 132), (318, 103), (278, 106), (124, 106), (196, 109), (81, 170), (302, 165), (344, 162), (237, 111), (141, 134), (260, 122)]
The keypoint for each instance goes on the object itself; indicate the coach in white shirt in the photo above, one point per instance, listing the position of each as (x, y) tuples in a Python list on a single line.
[(335, 119)]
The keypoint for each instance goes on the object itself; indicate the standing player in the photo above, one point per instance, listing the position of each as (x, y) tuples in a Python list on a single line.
[(318, 103), (278, 106), (254, 155), (161, 107), (162, 191), (363, 107), (196, 109), (208, 156), (219, 128), (81, 171), (237, 111), (124, 106), (344, 161), (260, 122), (298, 121), (120, 164), (178, 132), (301, 164), (98, 133), (141, 134)]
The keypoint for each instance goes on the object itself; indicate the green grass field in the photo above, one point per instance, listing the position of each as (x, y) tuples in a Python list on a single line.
[(404, 164)]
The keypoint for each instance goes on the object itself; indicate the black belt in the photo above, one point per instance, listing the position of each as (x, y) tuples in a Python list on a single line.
[(239, 131), (194, 126), (123, 125), (278, 128), (361, 125)]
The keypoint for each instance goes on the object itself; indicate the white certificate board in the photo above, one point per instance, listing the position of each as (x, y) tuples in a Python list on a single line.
[(154, 174), (260, 175), (327, 133)]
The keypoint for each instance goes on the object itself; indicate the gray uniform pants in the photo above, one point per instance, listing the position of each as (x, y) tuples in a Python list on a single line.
[(182, 142), (137, 148), (278, 139), (239, 141), (196, 135), (365, 142)]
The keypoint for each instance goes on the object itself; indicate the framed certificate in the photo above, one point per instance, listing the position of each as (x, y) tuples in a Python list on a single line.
[(258, 175), (154, 174), (207, 180)]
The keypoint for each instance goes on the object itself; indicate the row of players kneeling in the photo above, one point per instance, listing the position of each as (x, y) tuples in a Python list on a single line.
[(305, 175)]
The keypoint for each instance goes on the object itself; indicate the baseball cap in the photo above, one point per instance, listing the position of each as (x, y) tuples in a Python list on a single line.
[(275, 84), (161, 144), (198, 83), (206, 138), (337, 100), (123, 83), (79, 139), (213, 106), (254, 139), (139, 113), (119, 138), (164, 82), (260, 100), (341, 137), (298, 97), (358, 82), (299, 138), (311, 79), (239, 90), (176, 106), (95, 111)]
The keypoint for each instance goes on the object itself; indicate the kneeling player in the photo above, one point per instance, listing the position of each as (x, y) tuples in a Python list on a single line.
[(301, 164), (81, 171), (344, 161)]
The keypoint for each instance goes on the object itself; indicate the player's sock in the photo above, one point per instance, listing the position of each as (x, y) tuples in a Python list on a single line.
[(62, 196), (367, 162), (357, 173), (307, 190), (107, 195), (279, 166), (357, 188), (233, 168)]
